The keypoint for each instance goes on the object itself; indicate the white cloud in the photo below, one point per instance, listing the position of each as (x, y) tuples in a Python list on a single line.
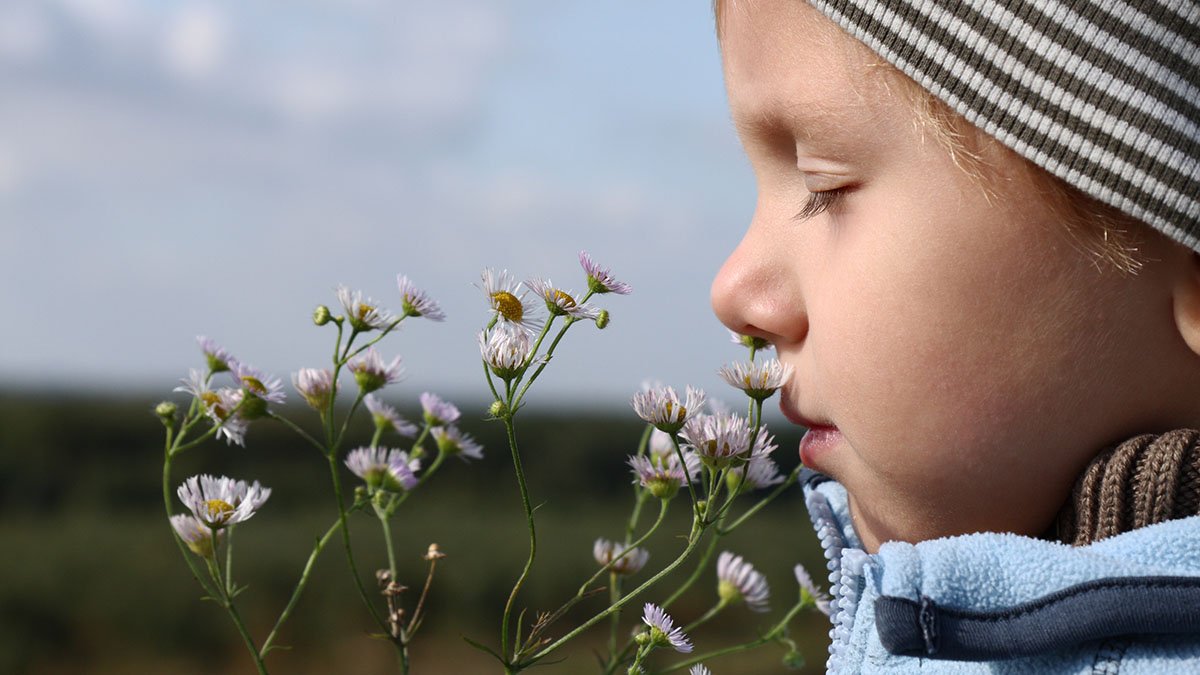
[(194, 42)]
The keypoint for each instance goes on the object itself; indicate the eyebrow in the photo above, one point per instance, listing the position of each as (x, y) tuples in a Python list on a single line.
[(813, 120)]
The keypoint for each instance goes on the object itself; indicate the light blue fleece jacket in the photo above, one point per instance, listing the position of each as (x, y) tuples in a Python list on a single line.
[(1002, 603)]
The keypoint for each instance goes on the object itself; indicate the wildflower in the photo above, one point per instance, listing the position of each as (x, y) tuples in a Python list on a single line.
[(751, 341), (600, 280), (438, 412), (660, 443), (627, 563), (560, 302), (372, 374), (720, 440), (663, 631), (502, 294), (738, 580), (760, 380), (452, 441), (661, 407), (165, 411), (764, 443), (218, 405), (220, 502), (661, 474), (416, 302), (506, 349), (384, 469), (760, 472), (809, 591), (195, 534), (218, 358), (261, 388), (315, 385), (386, 417), (364, 314), (699, 669)]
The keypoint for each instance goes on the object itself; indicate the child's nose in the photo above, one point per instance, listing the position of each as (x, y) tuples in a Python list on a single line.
[(756, 292)]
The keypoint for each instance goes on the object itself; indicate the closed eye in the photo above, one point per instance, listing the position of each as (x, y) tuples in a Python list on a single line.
[(820, 202)]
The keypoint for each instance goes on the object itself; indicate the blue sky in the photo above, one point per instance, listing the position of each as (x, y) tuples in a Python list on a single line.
[(169, 169)]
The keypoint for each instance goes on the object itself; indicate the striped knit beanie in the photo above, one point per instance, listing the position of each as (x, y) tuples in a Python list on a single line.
[(1103, 94)]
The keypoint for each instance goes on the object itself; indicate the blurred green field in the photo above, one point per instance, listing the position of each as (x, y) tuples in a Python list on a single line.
[(92, 582)]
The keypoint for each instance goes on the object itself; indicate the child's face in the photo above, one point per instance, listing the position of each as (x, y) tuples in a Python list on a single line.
[(963, 357)]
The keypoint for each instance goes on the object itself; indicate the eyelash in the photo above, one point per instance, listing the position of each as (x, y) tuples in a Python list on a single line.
[(820, 202)]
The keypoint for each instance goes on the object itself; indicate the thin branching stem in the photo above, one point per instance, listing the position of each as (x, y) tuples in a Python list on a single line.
[(269, 643)]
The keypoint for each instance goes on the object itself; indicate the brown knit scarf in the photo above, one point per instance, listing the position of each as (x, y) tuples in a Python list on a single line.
[(1145, 480)]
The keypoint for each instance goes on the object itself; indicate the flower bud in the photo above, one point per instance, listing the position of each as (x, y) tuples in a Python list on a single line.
[(321, 315), (642, 638), (498, 409), (602, 319), (166, 413), (793, 660), (701, 506), (360, 493)]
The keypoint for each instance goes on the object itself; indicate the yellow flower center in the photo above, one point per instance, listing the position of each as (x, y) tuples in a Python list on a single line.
[(508, 305), (254, 384), (363, 310), (563, 300), (218, 509), (213, 402)]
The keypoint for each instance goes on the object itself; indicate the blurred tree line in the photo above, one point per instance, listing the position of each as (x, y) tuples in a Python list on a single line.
[(91, 581)]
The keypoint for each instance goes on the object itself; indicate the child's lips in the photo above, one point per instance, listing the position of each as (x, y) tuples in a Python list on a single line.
[(818, 442), (820, 438)]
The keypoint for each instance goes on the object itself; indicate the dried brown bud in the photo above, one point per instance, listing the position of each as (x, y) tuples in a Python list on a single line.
[(434, 553)]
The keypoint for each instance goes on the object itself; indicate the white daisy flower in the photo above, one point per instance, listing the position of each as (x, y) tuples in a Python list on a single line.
[(415, 302), (386, 417), (719, 439), (750, 341), (699, 669), (560, 302), (315, 385), (372, 374), (507, 349), (809, 591), (216, 356), (663, 631), (660, 474), (438, 412), (218, 406), (605, 552), (194, 533), (738, 580), (507, 300), (759, 379), (661, 407), (452, 441), (258, 383), (764, 443), (221, 502), (600, 280), (364, 314), (384, 469)]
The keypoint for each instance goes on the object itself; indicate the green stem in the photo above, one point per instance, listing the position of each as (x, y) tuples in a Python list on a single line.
[(300, 585), (549, 353), (387, 540), (296, 428), (524, 489), (228, 560), (662, 512), (700, 566), (362, 591), (183, 549), (791, 479), (687, 475), (614, 596), (693, 539), (227, 603), (707, 616)]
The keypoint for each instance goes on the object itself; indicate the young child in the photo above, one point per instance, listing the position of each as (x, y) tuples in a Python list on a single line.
[(975, 243)]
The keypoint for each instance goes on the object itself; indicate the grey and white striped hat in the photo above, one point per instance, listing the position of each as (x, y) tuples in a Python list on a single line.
[(1103, 94)]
